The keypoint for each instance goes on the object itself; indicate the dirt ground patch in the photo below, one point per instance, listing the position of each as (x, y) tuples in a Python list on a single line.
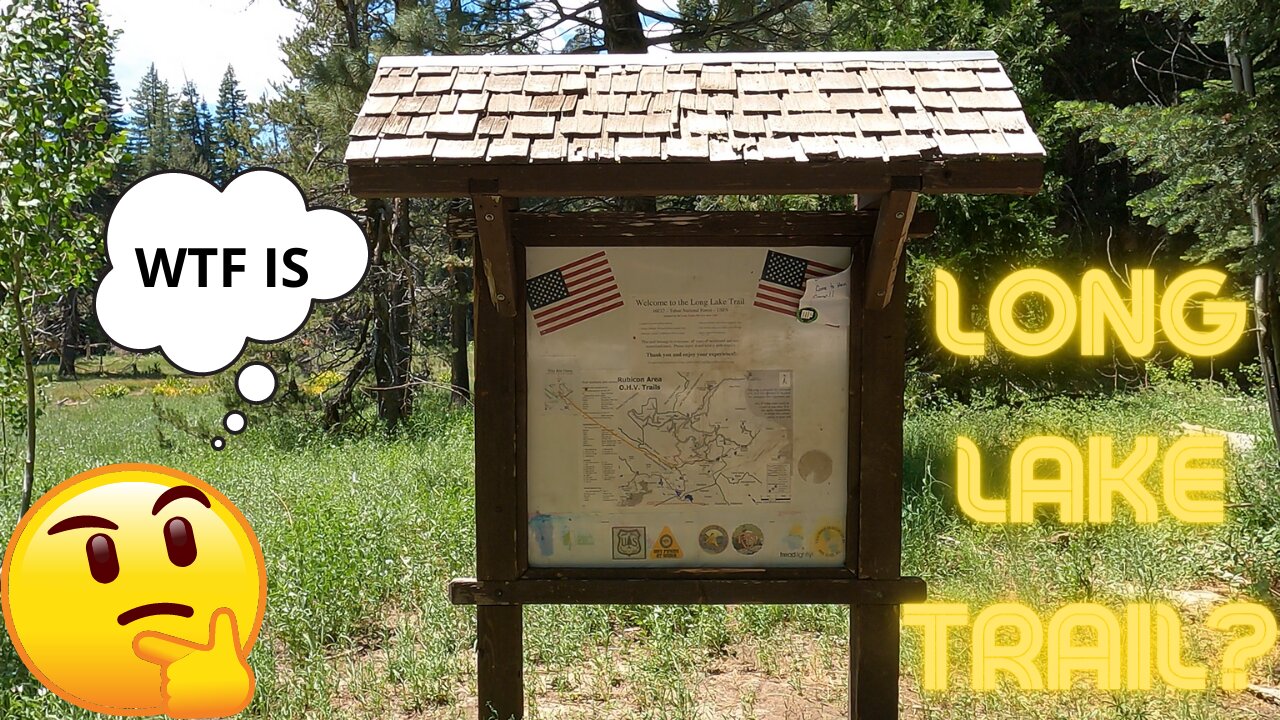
[(797, 676)]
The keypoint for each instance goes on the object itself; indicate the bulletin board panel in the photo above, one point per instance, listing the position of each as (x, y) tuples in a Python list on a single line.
[(545, 242), (687, 406), (674, 311)]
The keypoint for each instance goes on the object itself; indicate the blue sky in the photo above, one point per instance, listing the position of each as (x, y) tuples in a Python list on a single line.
[(197, 39)]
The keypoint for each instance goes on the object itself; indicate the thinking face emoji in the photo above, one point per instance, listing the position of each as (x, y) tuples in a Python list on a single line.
[(136, 590)]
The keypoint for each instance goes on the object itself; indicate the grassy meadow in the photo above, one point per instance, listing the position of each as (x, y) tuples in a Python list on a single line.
[(361, 535)]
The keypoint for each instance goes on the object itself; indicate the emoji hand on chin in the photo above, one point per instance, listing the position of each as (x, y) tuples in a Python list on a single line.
[(200, 681)]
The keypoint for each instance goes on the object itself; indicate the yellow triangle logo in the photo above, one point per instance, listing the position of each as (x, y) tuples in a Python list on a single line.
[(666, 547)]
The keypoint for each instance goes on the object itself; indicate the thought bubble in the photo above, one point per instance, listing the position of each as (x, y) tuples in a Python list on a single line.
[(256, 383), (197, 273)]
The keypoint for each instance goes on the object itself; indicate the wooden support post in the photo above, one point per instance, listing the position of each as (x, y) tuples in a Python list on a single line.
[(499, 630), (874, 631), (500, 658), (684, 591), (867, 200), (493, 228), (874, 638), (896, 210)]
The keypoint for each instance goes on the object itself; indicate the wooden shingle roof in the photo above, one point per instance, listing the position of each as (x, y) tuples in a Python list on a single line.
[(701, 123)]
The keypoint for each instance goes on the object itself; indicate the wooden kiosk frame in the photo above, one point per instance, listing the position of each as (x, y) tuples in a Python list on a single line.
[(870, 581)]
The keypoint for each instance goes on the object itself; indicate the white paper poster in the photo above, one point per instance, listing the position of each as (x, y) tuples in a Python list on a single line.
[(679, 413)]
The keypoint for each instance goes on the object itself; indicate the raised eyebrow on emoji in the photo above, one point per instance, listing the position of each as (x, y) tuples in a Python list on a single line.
[(83, 521), (177, 493)]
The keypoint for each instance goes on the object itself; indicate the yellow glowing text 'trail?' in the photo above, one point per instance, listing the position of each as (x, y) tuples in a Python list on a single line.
[(1011, 644)]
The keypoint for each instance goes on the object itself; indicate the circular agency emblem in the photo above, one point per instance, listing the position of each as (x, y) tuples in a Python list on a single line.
[(829, 541), (806, 314), (713, 539), (748, 539)]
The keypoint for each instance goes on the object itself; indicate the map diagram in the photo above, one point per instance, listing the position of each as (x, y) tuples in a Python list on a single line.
[(680, 438)]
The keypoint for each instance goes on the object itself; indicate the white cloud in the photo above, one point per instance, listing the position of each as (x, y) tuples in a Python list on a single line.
[(196, 40)]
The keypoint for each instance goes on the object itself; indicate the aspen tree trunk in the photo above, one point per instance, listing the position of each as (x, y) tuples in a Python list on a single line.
[(29, 381), (1265, 304)]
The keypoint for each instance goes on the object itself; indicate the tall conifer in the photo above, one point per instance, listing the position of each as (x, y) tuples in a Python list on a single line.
[(151, 129), (191, 147), (232, 129)]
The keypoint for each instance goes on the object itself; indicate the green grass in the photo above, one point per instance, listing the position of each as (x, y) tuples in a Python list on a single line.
[(362, 535), (1046, 565)]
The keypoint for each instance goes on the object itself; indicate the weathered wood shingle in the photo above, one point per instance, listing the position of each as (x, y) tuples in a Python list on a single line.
[(831, 107)]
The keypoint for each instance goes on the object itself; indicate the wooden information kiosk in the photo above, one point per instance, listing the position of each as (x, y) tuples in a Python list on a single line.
[(698, 407)]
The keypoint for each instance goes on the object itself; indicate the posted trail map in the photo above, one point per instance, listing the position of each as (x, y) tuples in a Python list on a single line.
[(680, 413), (683, 438)]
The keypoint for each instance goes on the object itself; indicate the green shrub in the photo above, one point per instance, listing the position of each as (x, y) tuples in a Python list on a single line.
[(181, 387), (321, 382), (110, 391)]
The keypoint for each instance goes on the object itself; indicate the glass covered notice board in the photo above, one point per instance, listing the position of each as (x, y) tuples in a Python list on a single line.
[(687, 407)]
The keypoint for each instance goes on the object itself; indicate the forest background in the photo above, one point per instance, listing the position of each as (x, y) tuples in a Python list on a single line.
[(1161, 120)]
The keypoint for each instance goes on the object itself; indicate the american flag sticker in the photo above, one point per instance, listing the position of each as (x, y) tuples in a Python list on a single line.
[(782, 281), (577, 291)]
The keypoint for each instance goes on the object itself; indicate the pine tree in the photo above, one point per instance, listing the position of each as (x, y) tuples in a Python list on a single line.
[(111, 97), (151, 131), (191, 147), (206, 132), (117, 124), (1212, 157), (332, 58), (232, 129)]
